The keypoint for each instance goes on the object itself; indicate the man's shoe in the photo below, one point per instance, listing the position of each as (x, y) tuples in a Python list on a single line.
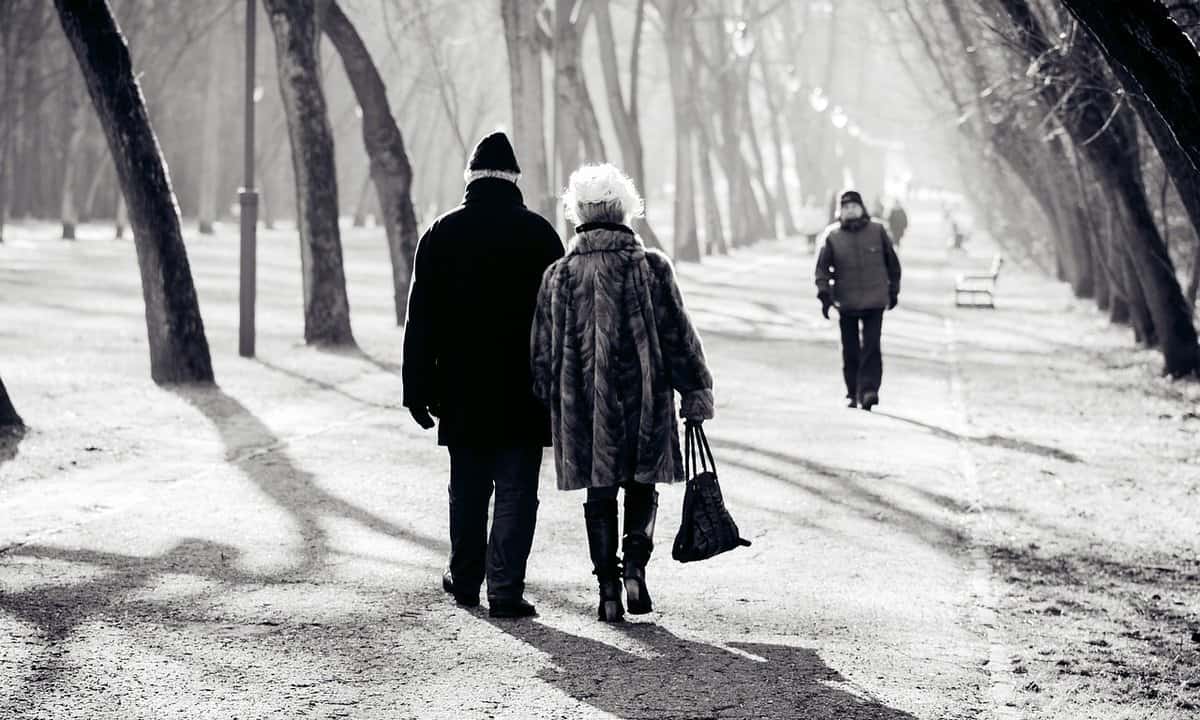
[(851, 403), (462, 596), (869, 401), (518, 608)]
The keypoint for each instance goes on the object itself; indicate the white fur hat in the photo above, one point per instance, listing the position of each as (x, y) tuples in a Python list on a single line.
[(601, 193)]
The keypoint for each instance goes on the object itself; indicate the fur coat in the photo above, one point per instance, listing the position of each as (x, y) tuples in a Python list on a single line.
[(611, 343)]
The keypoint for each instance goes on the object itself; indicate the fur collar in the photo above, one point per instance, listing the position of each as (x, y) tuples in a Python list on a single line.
[(604, 237)]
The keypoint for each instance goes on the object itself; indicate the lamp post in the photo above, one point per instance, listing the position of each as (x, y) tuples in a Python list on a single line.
[(248, 200)]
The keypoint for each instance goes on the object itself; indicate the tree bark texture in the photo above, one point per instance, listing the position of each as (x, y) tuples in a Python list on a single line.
[(178, 347), (326, 307), (528, 102), (1087, 115), (391, 170), (1154, 52)]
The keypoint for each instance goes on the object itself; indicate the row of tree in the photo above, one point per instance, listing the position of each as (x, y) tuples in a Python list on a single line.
[(1073, 108), (1042, 117)]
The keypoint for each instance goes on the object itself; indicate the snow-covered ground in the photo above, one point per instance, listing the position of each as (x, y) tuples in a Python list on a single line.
[(1011, 534)]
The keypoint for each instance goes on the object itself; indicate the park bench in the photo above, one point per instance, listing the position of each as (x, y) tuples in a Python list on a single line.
[(978, 289)]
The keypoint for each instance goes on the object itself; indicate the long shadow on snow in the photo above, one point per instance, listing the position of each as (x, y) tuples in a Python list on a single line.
[(683, 678), (56, 610), (860, 492), (263, 458), (326, 386), (996, 441)]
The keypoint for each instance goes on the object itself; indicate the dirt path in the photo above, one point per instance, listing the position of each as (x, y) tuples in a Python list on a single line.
[(272, 548)]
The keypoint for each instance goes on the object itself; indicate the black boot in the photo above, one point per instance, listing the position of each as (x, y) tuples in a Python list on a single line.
[(601, 519), (641, 508)]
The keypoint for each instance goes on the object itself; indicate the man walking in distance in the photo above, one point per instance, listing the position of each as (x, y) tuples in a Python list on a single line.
[(859, 273), (466, 362)]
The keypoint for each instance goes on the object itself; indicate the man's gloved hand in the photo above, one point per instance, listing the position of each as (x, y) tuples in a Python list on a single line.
[(826, 303), (893, 299), (421, 415)]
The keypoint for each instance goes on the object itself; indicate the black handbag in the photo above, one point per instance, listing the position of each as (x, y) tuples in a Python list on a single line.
[(706, 528)]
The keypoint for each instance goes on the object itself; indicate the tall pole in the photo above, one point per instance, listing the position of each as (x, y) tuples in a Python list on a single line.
[(248, 199)]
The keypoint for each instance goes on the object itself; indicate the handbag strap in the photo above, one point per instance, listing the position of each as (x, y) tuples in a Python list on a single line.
[(698, 454)]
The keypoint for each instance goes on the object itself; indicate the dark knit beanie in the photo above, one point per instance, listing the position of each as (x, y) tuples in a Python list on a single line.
[(851, 196), (494, 153)]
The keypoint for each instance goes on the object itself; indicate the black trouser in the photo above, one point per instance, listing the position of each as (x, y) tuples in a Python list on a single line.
[(862, 360), (513, 472)]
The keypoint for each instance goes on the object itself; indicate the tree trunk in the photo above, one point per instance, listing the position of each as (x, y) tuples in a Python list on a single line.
[(68, 208), (1185, 178), (573, 105), (782, 205), (769, 219), (685, 246), (178, 347), (326, 308), (390, 169), (210, 133), (628, 136), (1151, 49), (624, 120), (97, 182), (8, 414), (528, 101), (714, 232)]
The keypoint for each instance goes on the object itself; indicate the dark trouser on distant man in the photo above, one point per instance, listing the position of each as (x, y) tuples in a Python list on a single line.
[(502, 556), (862, 359)]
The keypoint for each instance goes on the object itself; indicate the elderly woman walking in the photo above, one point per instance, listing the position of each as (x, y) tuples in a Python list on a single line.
[(611, 344)]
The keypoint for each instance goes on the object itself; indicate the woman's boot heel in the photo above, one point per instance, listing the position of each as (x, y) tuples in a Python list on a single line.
[(636, 594)]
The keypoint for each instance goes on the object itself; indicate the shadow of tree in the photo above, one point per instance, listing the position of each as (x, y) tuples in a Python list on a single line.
[(263, 458), (997, 441), (326, 386), (56, 610), (688, 679), (10, 441), (858, 491)]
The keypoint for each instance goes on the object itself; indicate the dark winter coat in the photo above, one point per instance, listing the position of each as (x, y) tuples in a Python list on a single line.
[(612, 342), (466, 341), (858, 267)]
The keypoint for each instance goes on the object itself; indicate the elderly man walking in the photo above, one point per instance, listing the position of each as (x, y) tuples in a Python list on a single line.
[(466, 361), (859, 273)]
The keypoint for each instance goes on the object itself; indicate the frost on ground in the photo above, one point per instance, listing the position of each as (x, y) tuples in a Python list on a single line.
[(272, 547)]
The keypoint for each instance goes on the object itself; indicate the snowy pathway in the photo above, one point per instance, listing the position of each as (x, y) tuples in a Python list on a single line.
[(272, 548)]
